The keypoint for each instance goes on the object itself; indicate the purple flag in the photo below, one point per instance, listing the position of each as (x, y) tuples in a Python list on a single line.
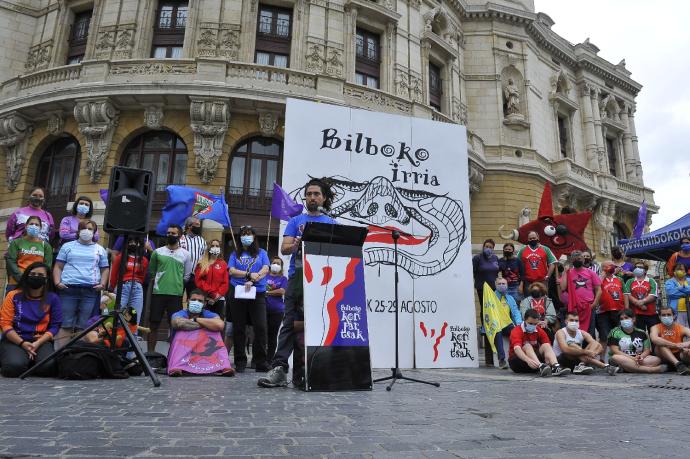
[(641, 220), (283, 207), (104, 195)]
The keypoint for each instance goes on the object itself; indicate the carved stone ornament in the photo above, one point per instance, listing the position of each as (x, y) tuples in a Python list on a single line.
[(268, 123), (334, 65), (39, 56), (209, 122), (55, 123), (15, 132), (402, 87), (124, 44), (315, 60), (153, 116), (230, 42), (604, 217), (97, 120), (415, 89), (476, 177), (207, 43)]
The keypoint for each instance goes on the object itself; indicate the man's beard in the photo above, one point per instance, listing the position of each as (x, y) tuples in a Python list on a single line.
[(312, 206)]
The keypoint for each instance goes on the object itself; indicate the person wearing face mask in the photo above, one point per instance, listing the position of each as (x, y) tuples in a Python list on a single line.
[(669, 341), (630, 348), (678, 294), (624, 269), (30, 318), (640, 294), (26, 250), (195, 244), (537, 300), (530, 349), (509, 267), (589, 263), (249, 268), (16, 223), (611, 302), (507, 301), (170, 267), (211, 277), (682, 257), (133, 277), (485, 269), (536, 262), (276, 284), (577, 349), (80, 273), (584, 290), (69, 226), (197, 345)]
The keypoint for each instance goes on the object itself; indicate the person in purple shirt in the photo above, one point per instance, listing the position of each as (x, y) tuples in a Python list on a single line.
[(624, 269), (82, 209), (30, 318), (276, 283), (17, 221), (485, 268)]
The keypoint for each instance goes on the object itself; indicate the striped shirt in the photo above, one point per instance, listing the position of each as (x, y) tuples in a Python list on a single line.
[(195, 245), (83, 263)]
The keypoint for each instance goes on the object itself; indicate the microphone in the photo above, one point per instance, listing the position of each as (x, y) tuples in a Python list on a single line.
[(324, 211)]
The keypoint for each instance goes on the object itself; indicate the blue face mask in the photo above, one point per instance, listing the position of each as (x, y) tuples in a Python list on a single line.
[(82, 209), (247, 240), (195, 307), (502, 288), (638, 272), (33, 230), (530, 328), (488, 252), (626, 324), (685, 247), (667, 320)]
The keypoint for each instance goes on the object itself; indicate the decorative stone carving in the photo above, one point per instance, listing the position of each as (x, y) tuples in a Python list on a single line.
[(39, 56), (334, 65), (55, 123), (315, 59), (15, 132), (356, 94), (511, 93), (209, 122), (97, 120), (152, 68), (207, 44), (416, 93), (459, 111), (604, 217), (402, 86), (230, 41), (476, 177), (524, 216), (268, 123), (153, 116), (105, 43), (475, 144), (430, 17), (124, 44)]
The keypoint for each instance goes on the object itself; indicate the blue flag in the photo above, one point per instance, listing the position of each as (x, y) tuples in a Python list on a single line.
[(282, 205), (184, 202), (641, 220)]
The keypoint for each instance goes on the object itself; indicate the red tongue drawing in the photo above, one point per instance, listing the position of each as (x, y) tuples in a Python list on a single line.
[(382, 236)]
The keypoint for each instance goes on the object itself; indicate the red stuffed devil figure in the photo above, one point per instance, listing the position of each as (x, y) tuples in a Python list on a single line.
[(561, 233)]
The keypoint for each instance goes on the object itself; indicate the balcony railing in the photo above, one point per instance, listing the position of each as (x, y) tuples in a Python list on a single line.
[(50, 76), (282, 78), (249, 198)]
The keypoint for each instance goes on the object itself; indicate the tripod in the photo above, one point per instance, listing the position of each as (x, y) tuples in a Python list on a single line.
[(396, 372), (118, 321)]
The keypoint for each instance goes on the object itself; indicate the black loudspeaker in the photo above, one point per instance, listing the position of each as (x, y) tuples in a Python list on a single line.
[(129, 201)]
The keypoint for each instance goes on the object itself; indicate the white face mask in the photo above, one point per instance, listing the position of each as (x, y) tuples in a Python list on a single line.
[(214, 250), (276, 268), (572, 326), (86, 235)]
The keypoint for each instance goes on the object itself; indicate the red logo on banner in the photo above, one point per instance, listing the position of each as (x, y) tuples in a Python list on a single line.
[(431, 333)]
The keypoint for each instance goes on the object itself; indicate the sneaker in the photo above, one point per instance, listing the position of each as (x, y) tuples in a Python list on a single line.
[(502, 364), (558, 370), (582, 369), (612, 369), (682, 369), (275, 378), (544, 370)]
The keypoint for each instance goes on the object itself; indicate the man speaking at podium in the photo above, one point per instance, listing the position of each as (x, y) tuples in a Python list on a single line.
[(317, 195)]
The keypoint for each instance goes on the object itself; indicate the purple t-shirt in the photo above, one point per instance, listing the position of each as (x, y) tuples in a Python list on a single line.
[(275, 303)]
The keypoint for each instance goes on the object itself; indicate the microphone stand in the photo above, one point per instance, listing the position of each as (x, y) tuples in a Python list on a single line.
[(396, 372)]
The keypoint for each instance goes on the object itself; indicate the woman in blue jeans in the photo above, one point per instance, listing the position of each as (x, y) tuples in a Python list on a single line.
[(507, 301), (80, 273)]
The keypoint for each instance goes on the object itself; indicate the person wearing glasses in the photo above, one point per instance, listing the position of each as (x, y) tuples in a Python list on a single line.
[(30, 318), (170, 267)]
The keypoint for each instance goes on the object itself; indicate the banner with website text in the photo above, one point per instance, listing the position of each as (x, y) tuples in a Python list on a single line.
[(402, 173)]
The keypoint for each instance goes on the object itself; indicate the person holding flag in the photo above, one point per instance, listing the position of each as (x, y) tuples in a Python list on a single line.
[(499, 307)]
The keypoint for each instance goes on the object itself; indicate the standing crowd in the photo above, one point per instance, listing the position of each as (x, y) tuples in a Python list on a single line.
[(574, 315)]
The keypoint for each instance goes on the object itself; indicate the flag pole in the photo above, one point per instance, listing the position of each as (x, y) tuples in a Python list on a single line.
[(268, 234)]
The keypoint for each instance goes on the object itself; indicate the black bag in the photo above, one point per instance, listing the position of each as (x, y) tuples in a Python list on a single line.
[(90, 361), (156, 360)]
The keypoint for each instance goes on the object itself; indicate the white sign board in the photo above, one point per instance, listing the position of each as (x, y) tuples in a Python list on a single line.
[(407, 174)]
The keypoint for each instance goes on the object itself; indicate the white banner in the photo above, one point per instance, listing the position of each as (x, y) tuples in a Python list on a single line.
[(401, 173)]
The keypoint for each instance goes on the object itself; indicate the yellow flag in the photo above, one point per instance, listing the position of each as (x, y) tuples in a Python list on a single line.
[(496, 315)]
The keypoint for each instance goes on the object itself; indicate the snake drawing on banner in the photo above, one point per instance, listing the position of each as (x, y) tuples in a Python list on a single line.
[(439, 223)]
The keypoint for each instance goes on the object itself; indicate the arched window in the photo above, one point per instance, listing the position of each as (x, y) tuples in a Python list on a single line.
[(163, 153), (254, 166), (57, 171)]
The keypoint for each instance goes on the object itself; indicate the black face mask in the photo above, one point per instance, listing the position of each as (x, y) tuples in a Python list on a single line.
[(196, 230), (36, 202), (172, 240), (536, 294), (507, 254), (577, 263), (616, 254), (36, 281), (533, 244)]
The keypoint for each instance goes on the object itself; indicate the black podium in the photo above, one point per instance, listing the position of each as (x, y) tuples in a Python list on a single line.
[(336, 335)]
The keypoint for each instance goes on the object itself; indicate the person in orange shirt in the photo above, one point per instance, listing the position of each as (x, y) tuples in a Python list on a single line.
[(668, 341)]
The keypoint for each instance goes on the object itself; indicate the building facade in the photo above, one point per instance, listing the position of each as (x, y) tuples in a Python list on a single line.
[(195, 91)]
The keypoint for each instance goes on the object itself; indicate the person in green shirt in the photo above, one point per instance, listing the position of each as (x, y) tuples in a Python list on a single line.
[(630, 348), (25, 250)]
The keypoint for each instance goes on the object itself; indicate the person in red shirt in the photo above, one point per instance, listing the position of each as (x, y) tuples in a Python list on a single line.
[(611, 302), (529, 343), (211, 276), (536, 262), (640, 295), (133, 277)]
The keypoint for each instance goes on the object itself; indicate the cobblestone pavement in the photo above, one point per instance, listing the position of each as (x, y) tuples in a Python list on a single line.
[(482, 413)]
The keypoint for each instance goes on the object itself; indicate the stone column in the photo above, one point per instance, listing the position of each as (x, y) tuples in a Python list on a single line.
[(15, 132), (628, 155), (635, 148), (97, 118), (350, 51), (601, 145), (588, 121)]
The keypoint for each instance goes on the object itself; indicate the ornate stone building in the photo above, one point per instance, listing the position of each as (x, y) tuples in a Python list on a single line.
[(195, 91)]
